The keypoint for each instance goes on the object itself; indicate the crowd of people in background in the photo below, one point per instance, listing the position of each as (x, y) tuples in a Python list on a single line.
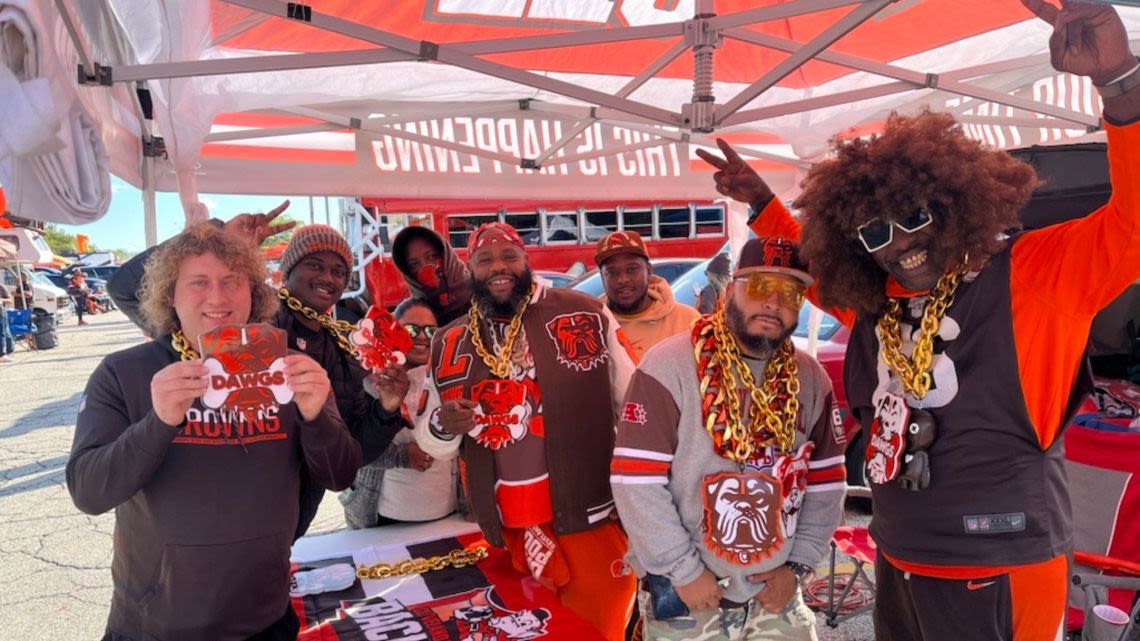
[(716, 495)]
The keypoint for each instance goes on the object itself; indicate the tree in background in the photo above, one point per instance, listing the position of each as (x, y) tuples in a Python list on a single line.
[(63, 243), (284, 236)]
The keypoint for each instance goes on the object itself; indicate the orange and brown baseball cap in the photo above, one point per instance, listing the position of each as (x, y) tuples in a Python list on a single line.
[(620, 242)]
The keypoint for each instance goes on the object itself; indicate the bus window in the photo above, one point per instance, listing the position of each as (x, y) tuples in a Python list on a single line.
[(388, 225), (710, 220), (526, 225), (561, 227), (600, 223), (673, 222), (459, 228), (638, 220)]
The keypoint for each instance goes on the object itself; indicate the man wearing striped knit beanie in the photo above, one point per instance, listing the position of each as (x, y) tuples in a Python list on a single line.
[(316, 266)]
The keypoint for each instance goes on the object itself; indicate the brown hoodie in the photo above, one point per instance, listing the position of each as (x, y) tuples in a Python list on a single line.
[(664, 318)]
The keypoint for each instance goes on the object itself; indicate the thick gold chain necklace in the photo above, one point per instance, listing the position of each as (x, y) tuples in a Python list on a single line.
[(500, 364), (722, 370), (454, 559), (181, 345), (337, 328), (914, 372)]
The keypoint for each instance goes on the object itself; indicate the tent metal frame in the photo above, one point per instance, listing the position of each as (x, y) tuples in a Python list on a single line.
[(689, 124)]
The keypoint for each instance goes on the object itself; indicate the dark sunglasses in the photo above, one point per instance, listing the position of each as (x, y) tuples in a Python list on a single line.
[(415, 330), (877, 233)]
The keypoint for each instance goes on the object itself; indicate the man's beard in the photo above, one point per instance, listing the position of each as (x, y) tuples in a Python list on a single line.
[(753, 344), (487, 304)]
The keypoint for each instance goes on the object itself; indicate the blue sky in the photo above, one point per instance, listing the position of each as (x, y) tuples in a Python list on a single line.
[(122, 227)]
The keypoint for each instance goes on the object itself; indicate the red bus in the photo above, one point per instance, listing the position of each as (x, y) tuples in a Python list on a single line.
[(561, 235)]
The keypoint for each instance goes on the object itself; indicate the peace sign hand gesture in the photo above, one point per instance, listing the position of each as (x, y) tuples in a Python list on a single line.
[(1088, 39), (736, 178), (257, 227)]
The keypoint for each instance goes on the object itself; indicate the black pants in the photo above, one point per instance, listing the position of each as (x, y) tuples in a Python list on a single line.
[(80, 305), (921, 608), (284, 629)]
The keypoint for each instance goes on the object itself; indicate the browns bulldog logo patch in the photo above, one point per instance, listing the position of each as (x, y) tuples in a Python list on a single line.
[(742, 516), (578, 340)]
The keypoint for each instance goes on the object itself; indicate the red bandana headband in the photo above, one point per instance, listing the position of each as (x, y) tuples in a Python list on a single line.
[(496, 232)]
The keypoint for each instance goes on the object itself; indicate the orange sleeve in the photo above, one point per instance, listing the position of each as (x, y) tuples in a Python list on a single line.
[(776, 220), (1062, 275)]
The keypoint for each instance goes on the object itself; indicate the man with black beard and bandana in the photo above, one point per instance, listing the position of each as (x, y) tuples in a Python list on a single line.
[(525, 387), (728, 470), (640, 300)]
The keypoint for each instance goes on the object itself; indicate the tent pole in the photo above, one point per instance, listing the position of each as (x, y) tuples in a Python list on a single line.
[(150, 219), (311, 220)]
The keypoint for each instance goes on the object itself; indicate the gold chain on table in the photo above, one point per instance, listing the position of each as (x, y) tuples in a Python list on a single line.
[(914, 372), (181, 345), (500, 364), (454, 559), (338, 328), (722, 370)]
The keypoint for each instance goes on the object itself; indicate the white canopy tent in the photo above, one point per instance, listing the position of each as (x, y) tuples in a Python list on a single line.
[(539, 98)]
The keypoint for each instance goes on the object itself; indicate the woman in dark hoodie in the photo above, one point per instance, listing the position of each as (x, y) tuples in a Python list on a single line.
[(433, 272)]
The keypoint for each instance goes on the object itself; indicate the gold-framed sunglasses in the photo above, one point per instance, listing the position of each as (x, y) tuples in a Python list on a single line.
[(761, 286)]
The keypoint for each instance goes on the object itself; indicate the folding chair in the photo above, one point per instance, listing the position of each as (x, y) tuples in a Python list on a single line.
[(21, 327), (857, 590), (1104, 484)]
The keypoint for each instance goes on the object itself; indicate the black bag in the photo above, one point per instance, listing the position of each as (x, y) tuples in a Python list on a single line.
[(46, 336)]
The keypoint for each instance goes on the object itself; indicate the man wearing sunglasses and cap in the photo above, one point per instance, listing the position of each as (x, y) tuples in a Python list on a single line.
[(728, 469), (525, 387), (964, 363)]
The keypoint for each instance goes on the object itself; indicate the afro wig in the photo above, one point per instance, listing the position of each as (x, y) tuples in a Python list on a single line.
[(973, 192)]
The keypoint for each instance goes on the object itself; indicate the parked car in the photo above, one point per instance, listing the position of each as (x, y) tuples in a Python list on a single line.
[(668, 268), (104, 272), (97, 287), (557, 279), (47, 298)]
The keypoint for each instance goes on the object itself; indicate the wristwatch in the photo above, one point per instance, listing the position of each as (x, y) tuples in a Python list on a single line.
[(801, 570), (1129, 81)]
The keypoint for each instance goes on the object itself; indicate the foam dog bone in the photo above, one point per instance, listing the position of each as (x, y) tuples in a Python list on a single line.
[(331, 578), (221, 384), (380, 340)]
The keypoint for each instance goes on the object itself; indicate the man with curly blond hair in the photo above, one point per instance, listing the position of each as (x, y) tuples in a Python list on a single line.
[(205, 500), (965, 356)]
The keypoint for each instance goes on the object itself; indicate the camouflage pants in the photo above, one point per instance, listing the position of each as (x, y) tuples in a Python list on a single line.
[(749, 623)]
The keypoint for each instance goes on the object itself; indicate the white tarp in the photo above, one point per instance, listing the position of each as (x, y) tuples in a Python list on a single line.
[(410, 128)]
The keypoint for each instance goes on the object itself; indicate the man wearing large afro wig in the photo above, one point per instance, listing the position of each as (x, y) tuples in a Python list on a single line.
[(964, 362)]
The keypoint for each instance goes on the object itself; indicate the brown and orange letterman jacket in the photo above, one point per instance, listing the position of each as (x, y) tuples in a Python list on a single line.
[(581, 367), (1007, 366)]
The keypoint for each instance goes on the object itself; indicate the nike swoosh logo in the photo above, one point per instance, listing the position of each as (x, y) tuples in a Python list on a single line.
[(971, 585)]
